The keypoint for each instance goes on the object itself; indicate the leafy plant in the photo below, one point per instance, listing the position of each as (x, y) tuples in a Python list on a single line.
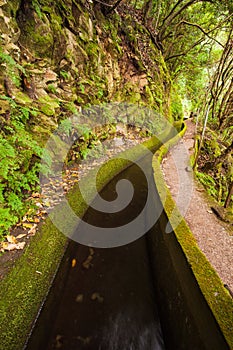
[(208, 182), (64, 74), (19, 167), (11, 67), (36, 6), (52, 88)]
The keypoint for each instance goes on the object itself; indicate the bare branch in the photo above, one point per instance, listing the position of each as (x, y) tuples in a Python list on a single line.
[(172, 10), (103, 3), (172, 16), (186, 51), (202, 30), (110, 10)]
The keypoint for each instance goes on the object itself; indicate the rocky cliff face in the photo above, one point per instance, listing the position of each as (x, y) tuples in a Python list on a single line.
[(60, 56), (57, 57)]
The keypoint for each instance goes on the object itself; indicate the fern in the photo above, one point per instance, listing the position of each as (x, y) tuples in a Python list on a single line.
[(208, 182), (36, 6), (11, 67), (19, 167)]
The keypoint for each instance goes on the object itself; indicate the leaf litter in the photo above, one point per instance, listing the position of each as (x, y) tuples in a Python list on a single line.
[(54, 191)]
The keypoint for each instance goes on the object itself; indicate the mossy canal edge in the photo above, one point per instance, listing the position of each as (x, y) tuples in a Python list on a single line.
[(211, 286)]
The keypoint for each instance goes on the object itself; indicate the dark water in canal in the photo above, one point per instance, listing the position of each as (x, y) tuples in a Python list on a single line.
[(104, 299)]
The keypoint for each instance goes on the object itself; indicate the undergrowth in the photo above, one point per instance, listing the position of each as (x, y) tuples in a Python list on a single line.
[(19, 166)]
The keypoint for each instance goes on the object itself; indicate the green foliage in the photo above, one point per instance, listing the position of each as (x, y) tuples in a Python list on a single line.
[(36, 6), (70, 106), (227, 134), (64, 74), (52, 88), (12, 68), (65, 126), (82, 88), (208, 182), (7, 219), (19, 167), (215, 163)]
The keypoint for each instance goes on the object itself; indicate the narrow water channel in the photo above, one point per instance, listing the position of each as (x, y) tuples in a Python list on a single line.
[(104, 299), (139, 296)]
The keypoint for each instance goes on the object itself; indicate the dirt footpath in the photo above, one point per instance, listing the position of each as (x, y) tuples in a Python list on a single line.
[(213, 236)]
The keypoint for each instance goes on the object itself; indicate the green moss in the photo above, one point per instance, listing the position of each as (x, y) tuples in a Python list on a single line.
[(47, 99), (149, 95), (47, 110), (13, 6), (130, 93), (48, 105), (27, 283), (22, 98), (39, 38)]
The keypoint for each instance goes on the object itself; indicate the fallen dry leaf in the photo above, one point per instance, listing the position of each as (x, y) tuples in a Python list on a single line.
[(11, 239), (27, 225), (21, 235), (98, 297), (73, 262), (24, 219), (35, 195), (58, 341), (87, 263), (85, 341), (47, 204), (11, 246), (79, 298), (92, 252), (32, 230)]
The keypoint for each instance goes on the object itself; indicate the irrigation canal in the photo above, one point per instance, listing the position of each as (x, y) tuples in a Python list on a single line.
[(113, 299)]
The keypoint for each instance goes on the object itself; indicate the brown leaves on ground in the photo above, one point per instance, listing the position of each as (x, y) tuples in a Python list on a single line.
[(11, 244)]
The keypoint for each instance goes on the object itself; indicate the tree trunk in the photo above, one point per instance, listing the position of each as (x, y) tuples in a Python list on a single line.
[(111, 9), (202, 138), (230, 193)]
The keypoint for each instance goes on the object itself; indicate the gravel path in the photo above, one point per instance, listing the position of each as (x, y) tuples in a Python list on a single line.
[(213, 237)]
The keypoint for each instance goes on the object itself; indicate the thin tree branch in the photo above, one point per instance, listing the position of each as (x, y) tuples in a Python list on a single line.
[(158, 15), (186, 51), (202, 30), (172, 16), (200, 40), (110, 10), (172, 10), (103, 3)]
